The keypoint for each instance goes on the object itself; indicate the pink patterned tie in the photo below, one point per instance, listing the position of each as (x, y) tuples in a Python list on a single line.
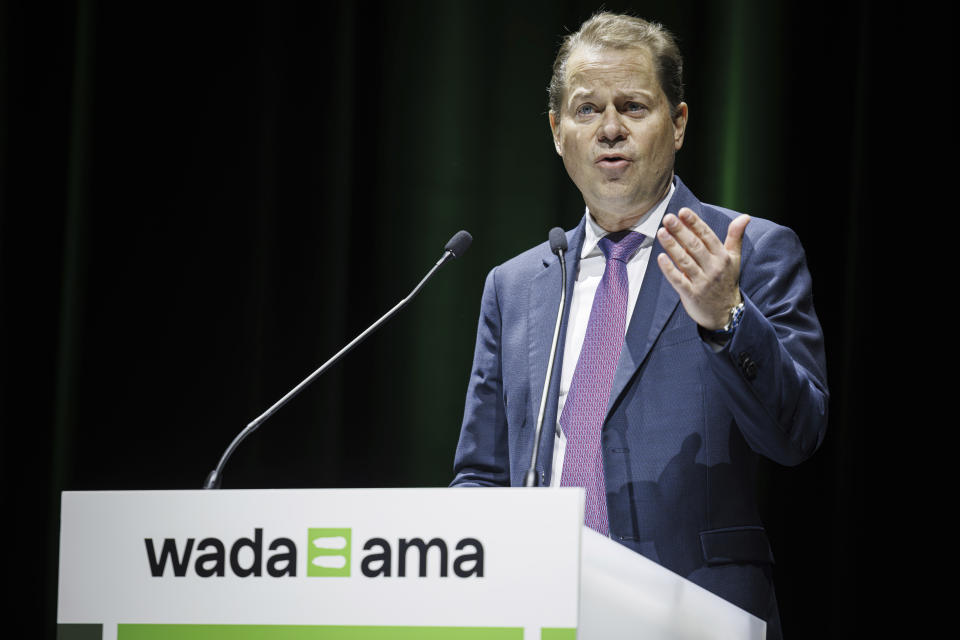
[(589, 394)]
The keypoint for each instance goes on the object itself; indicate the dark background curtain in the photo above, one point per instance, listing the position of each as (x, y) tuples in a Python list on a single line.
[(202, 202)]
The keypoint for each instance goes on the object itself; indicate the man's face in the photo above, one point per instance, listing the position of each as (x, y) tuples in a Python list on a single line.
[(615, 133)]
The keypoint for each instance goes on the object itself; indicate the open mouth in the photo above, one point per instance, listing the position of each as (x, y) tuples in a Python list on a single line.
[(612, 161)]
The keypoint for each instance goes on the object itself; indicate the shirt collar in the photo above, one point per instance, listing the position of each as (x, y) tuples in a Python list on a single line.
[(647, 225)]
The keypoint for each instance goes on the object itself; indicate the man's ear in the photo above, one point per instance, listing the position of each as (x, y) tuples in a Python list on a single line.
[(679, 125), (555, 130)]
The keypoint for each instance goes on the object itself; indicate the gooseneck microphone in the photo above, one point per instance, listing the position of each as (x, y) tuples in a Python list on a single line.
[(558, 245), (455, 248)]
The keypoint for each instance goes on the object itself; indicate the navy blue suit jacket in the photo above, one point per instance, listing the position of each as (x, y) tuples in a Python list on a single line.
[(685, 424)]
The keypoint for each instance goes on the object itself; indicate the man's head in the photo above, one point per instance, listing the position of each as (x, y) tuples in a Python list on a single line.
[(617, 114)]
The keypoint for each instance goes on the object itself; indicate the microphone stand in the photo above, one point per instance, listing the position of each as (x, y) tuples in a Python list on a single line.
[(558, 244), (456, 246)]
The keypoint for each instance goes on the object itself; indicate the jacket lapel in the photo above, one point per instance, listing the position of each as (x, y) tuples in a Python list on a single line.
[(656, 302)]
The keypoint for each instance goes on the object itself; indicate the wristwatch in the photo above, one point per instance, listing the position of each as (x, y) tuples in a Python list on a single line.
[(723, 335)]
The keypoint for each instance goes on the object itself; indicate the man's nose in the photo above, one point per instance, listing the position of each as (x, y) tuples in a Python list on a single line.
[(612, 129)]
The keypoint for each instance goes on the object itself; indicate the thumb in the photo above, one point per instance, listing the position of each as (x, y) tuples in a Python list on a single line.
[(735, 232)]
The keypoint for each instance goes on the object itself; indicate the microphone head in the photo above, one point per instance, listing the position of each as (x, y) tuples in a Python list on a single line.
[(558, 240), (459, 243)]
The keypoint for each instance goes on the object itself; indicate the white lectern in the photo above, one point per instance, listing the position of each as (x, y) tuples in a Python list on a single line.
[(356, 564)]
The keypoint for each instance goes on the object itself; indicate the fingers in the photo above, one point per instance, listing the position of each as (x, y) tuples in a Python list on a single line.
[(700, 229), (681, 253), (691, 244), (698, 239), (692, 235), (674, 276)]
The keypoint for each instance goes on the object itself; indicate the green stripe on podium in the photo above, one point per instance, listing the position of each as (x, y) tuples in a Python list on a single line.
[(307, 632)]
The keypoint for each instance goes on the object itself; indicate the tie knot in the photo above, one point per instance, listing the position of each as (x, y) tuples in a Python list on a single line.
[(620, 245)]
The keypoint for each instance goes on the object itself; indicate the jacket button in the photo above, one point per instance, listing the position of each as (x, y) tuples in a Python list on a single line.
[(747, 365)]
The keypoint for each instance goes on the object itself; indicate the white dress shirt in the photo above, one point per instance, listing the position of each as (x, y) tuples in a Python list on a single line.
[(592, 265)]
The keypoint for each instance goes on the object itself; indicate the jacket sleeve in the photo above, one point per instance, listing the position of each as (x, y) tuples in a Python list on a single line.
[(773, 369), (482, 457)]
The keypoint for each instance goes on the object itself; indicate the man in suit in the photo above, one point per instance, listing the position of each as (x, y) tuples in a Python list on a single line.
[(684, 357)]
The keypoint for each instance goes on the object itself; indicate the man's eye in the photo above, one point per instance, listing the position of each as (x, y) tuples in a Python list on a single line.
[(585, 110), (634, 107)]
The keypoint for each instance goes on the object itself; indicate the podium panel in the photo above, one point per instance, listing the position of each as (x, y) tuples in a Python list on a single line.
[(350, 564), (625, 595)]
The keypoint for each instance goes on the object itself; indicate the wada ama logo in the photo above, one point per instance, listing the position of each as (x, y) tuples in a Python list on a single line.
[(328, 556), (328, 553)]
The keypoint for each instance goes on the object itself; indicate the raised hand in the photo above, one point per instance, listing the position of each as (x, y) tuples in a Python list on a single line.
[(703, 271)]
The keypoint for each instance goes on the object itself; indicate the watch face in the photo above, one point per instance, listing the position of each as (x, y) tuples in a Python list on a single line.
[(735, 314)]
